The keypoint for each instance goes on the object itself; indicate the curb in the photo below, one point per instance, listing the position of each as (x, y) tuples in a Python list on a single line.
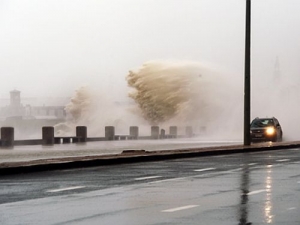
[(132, 156)]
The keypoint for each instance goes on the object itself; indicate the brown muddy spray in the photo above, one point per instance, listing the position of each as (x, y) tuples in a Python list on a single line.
[(165, 93)]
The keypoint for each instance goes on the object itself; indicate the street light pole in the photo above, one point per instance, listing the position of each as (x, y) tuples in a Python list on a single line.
[(247, 99)]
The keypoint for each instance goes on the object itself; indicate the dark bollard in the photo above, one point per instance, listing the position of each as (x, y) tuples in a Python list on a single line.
[(162, 134), (81, 133), (173, 131), (48, 135), (134, 132), (155, 132), (7, 136), (110, 133), (189, 131)]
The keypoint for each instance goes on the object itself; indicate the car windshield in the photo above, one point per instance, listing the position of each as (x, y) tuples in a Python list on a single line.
[(262, 123)]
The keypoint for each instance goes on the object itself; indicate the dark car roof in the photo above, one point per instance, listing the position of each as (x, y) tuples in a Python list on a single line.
[(262, 122), (264, 118)]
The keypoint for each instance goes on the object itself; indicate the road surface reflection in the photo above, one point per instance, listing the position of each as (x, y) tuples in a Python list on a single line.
[(243, 208)]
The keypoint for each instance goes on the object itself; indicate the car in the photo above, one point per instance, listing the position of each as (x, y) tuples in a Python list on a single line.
[(265, 129)]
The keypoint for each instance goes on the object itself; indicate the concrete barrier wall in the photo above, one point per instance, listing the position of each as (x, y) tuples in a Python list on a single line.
[(48, 137), (28, 142)]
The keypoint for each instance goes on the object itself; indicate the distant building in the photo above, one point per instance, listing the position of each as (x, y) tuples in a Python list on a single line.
[(16, 109), (28, 120)]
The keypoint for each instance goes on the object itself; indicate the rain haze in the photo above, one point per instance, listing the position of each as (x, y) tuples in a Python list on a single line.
[(133, 62)]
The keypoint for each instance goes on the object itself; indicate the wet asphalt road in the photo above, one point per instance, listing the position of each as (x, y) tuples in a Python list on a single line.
[(249, 188)]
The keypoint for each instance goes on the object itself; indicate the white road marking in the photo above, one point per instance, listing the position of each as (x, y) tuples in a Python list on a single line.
[(147, 178), (282, 160), (206, 169), (219, 156), (256, 192), (66, 189), (180, 208), (166, 180), (252, 164), (233, 170), (175, 179), (292, 208)]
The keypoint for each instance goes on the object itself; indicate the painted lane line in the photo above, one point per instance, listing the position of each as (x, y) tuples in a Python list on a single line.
[(167, 180), (206, 169), (252, 164), (292, 208), (175, 179), (232, 171), (66, 189), (256, 192), (282, 160), (180, 208), (147, 178), (220, 156)]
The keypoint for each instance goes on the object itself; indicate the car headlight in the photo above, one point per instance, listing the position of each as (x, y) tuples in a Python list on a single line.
[(270, 131)]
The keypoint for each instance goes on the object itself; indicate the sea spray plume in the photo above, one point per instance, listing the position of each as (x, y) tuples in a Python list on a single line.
[(167, 93), (95, 109), (78, 110), (81, 104), (164, 90)]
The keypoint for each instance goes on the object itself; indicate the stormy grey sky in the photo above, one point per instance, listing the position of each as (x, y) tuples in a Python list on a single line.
[(52, 47)]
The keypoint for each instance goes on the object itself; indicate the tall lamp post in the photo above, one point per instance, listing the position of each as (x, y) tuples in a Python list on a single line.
[(247, 114)]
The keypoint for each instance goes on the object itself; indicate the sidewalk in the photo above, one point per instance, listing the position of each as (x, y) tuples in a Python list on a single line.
[(22, 159)]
